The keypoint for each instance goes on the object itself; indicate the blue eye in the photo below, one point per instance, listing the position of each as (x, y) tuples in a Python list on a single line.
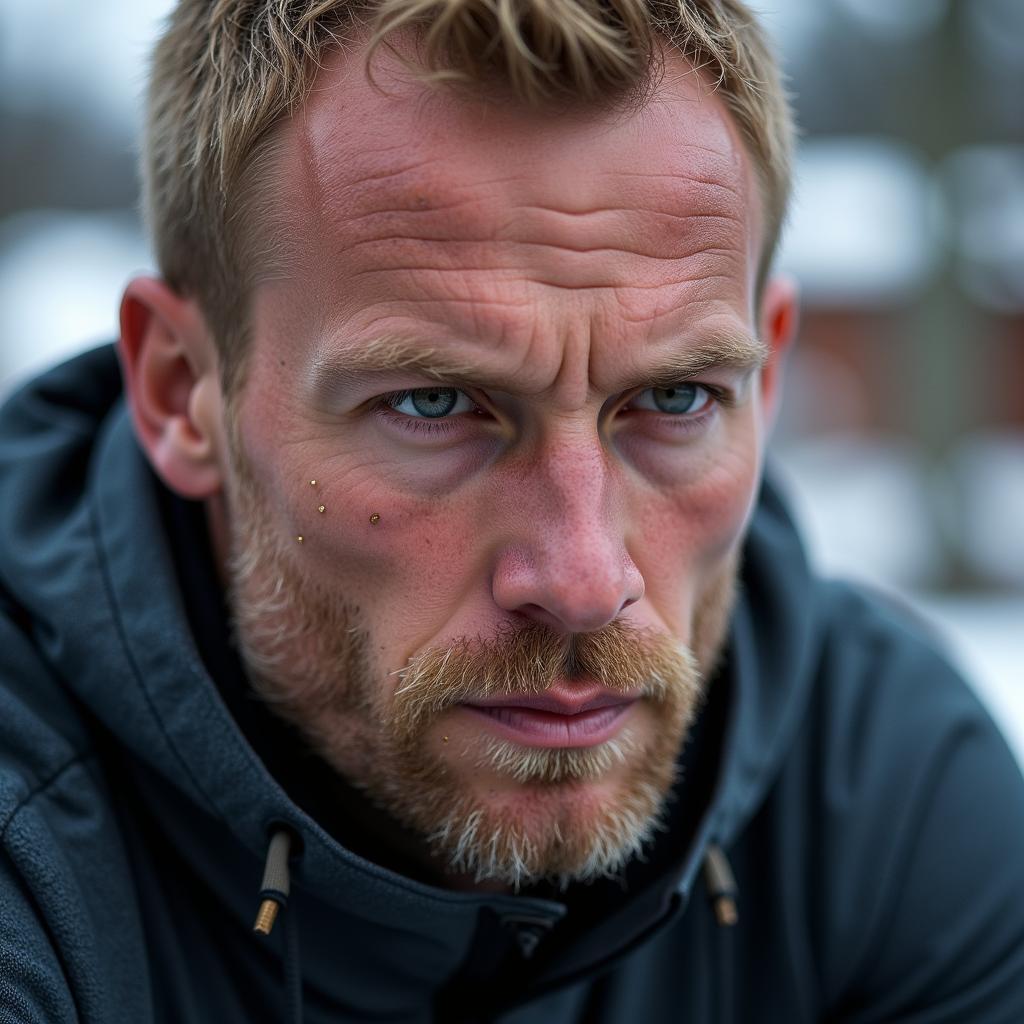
[(430, 403), (680, 400)]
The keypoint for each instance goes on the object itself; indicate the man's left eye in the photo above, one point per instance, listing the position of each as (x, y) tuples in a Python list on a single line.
[(679, 400), (430, 403)]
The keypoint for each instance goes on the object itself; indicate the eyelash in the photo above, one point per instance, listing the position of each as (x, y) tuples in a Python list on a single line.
[(385, 406)]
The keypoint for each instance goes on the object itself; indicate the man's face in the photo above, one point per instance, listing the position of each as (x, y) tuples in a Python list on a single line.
[(495, 454)]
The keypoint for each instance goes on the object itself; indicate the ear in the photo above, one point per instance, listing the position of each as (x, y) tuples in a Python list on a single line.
[(779, 318), (170, 368)]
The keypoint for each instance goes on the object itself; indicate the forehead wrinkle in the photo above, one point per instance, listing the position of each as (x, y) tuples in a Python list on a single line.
[(680, 197), (368, 189), (368, 181), (589, 274), (467, 228), (476, 212), (414, 202), (609, 248)]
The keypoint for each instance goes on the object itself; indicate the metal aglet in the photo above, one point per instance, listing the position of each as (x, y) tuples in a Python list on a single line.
[(725, 911), (266, 917), (276, 882), (721, 886)]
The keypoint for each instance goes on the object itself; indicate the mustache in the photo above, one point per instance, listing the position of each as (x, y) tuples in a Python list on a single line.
[(526, 661)]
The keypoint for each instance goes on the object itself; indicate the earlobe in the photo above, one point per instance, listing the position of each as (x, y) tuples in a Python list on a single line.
[(779, 319), (169, 365)]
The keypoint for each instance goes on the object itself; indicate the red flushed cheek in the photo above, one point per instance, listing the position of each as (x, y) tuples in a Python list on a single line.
[(404, 559), (368, 523)]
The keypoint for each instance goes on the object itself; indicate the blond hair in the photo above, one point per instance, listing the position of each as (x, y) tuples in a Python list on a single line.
[(225, 72)]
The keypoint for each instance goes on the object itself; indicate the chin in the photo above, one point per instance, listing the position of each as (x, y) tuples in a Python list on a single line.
[(561, 832), (496, 813)]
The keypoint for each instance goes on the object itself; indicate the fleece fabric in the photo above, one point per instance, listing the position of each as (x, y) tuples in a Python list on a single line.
[(871, 813)]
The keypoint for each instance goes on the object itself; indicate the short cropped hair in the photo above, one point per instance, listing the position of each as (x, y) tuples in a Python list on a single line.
[(225, 72)]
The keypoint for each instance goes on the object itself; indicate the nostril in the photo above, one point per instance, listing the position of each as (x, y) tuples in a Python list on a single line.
[(538, 613)]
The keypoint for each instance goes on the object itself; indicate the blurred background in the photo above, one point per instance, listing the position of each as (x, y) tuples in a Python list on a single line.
[(902, 436)]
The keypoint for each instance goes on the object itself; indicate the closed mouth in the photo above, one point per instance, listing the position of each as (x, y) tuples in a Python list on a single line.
[(556, 719)]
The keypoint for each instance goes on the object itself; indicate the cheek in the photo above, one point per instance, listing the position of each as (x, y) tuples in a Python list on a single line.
[(717, 506), (402, 559), (691, 525)]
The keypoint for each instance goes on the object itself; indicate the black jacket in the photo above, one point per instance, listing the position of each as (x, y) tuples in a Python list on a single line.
[(871, 813)]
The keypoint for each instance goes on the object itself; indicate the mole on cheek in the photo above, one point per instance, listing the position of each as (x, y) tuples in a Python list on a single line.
[(375, 517)]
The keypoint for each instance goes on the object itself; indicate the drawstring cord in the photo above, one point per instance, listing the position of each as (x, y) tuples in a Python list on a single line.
[(274, 891), (722, 892), (721, 885)]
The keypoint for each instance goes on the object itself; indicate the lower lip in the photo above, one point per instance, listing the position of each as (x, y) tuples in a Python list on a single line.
[(533, 728)]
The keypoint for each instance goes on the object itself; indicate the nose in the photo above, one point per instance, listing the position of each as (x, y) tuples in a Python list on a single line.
[(566, 564)]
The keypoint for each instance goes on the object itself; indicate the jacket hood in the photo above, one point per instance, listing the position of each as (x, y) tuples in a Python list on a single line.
[(85, 562)]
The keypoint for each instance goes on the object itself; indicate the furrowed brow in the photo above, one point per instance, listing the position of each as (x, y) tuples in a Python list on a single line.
[(332, 377)]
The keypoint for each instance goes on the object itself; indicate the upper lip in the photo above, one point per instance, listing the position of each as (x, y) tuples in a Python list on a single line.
[(558, 701)]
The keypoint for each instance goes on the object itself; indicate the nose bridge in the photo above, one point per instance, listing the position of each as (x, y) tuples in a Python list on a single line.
[(571, 560), (577, 501)]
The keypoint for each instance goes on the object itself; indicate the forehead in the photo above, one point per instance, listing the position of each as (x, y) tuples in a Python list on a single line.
[(394, 189), (359, 144)]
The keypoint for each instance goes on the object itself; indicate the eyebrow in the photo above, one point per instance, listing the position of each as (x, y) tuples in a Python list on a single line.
[(733, 350)]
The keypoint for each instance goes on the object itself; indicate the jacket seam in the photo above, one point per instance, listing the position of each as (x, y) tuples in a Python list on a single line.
[(42, 787)]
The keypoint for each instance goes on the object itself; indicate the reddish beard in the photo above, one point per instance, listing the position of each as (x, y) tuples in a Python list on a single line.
[(576, 813), (562, 814)]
